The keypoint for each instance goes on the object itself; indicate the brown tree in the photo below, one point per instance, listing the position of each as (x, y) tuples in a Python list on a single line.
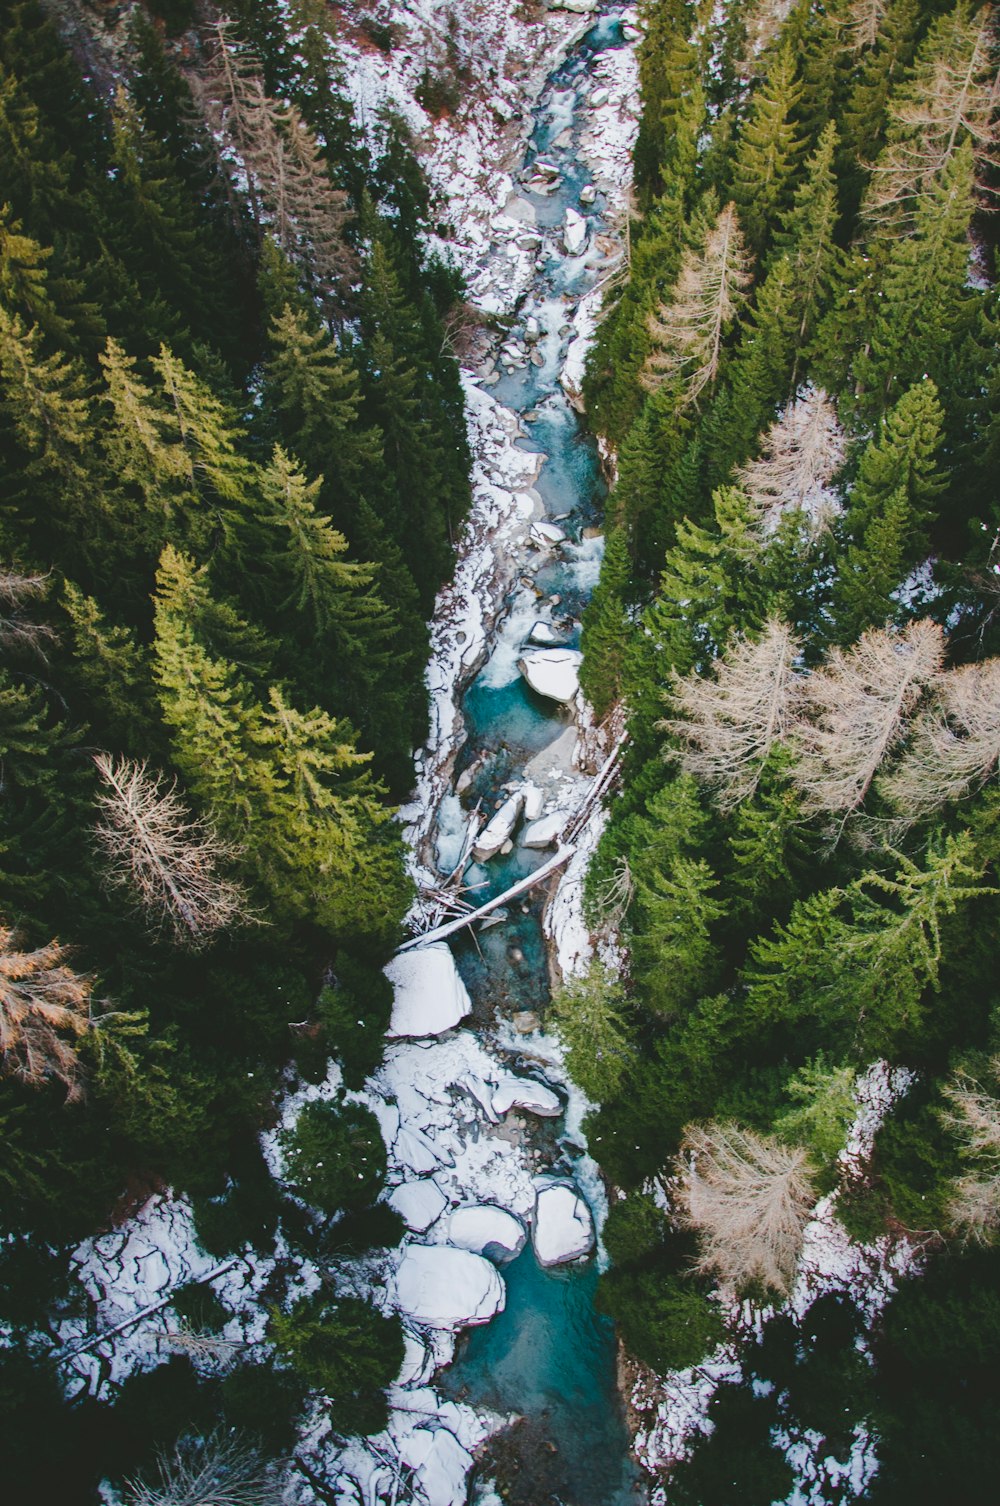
[(167, 860), (222, 1469), (801, 453), (857, 709), (19, 633), (973, 1116), (687, 332), (44, 1009), (749, 1197), (955, 746), (728, 723)]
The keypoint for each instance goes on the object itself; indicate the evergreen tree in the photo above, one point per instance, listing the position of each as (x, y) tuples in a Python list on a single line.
[(606, 627), (768, 152)]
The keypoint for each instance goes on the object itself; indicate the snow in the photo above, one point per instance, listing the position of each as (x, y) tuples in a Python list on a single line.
[(526, 1093), (562, 1228), (487, 1230), (441, 1464), (443, 1287), (499, 829), (544, 635), (575, 233), (553, 672), (545, 832), (429, 997), (419, 1203)]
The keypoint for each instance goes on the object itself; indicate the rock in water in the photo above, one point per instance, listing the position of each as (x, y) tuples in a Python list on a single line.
[(487, 1230), (525, 1093), (446, 1288), (547, 534), (563, 1228), (419, 1204), (544, 635), (553, 672), (574, 233), (499, 829), (544, 833), (588, 194), (440, 1463), (534, 802), (429, 997)]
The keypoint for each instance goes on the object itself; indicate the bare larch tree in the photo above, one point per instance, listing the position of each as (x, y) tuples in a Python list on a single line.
[(688, 331), (223, 1469), (955, 746), (800, 455), (749, 1197), (973, 1116), (19, 633), (729, 722), (857, 708), (44, 1009), (166, 859)]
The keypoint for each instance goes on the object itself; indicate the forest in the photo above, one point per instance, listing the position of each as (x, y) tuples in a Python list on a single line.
[(798, 609), (235, 464)]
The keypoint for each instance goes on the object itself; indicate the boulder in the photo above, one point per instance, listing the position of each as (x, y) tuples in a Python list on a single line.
[(429, 997), (418, 1362), (588, 194), (553, 672), (548, 534), (419, 1204), (440, 1464), (487, 1230), (562, 1228), (599, 97), (578, 7), (544, 635), (545, 832), (446, 1288), (574, 233), (526, 1093), (534, 802), (526, 1022), (499, 829)]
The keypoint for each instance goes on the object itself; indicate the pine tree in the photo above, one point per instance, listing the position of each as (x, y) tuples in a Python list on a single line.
[(675, 946), (112, 672), (728, 725), (948, 102), (806, 238), (606, 627), (924, 307), (768, 152), (668, 72), (687, 332), (859, 705), (48, 404)]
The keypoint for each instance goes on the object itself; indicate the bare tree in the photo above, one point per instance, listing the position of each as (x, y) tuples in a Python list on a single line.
[(223, 1469), (802, 452), (167, 859), (864, 20), (687, 332), (44, 1009), (729, 723), (18, 632), (952, 97), (974, 1118), (955, 746), (749, 1197), (857, 709)]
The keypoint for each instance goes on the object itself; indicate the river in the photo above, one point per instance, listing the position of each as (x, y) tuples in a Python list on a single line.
[(550, 1356)]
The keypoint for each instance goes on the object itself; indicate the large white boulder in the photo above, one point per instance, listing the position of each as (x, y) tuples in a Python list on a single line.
[(574, 233), (547, 534), (419, 1204), (544, 832), (440, 1463), (553, 672), (534, 802), (446, 1288), (487, 1230), (499, 829), (562, 1228), (526, 1093), (544, 635), (429, 997)]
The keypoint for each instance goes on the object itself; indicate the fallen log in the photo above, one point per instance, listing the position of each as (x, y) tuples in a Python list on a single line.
[(521, 887)]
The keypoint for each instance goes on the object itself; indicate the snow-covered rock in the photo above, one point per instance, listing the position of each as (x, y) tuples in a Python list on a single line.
[(418, 1361), (545, 832), (429, 997), (544, 635), (487, 1230), (419, 1204), (440, 1463), (574, 233), (499, 829), (447, 1288), (525, 1093), (547, 534), (562, 1228), (534, 802), (588, 194), (578, 7), (553, 672)]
